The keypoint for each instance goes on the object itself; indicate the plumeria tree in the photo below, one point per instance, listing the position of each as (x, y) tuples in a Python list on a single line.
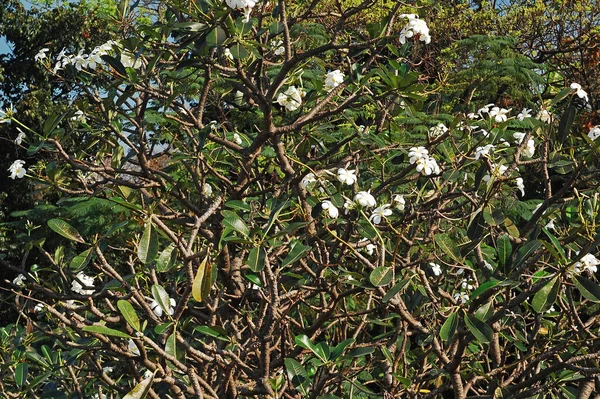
[(253, 199)]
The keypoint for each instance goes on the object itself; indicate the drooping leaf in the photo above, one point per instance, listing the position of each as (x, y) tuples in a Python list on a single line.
[(588, 288), (545, 297), (161, 297), (129, 314), (140, 390), (381, 276), (481, 331), (166, 259), (256, 259), (21, 372), (449, 327), (66, 230), (297, 375), (148, 245), (106, 331)]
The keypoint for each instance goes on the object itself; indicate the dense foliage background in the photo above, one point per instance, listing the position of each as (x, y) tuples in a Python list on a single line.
[(352, 199)]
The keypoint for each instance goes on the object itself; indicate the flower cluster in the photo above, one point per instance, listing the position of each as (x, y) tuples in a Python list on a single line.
[(245, 5), (437, 130), (278, 48), (426, 164), (291, 99), (333, 79), (415, 27), (81, 282), (82, 60)]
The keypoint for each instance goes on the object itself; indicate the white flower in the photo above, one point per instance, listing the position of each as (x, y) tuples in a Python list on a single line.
[(370, 249), (132, 347), (158, 310), (333, 79), (544, 116), (399, 202), (237, 139), (346, 176), (496, 171), (428, 166), (472, 115), (291, 99), (483, 151), (128, 60), (330, 208), (380, 212), (485, 109), (521, 186), (277, 45), (415, 27), (594, 133), (519, 137), (461, 297), (20, 137), (579, 91), (484, 132), (17, 169), (245, 5), (308, 179), (499, 114), (488, 266), (207, 189), (148, 374), (550, 225), (466, 285), (435, 268), (438, 130), (39, 307), (364, 198), (81, 288), (227, 54), (504, 143), (19, 280), (588, 262), (41, 55), (417, 153), (363, 130), (525, 113), (214, 125), (529, 150), (79, 116)]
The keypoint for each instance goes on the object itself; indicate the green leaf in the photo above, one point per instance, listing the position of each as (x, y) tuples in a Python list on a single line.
[(546, 296), (557, 246), (148, 245), (337, 350), (273, 217), (167, 259), (394, 290), (52, 123), (171, 344), (140, 390), (256, 259), (161, 297), (588, 288), (362, 351), (481, 331), (66, 230), (80, 261), (504, 248), (115, 64), (449, 327), (297, 375), (214, 332), (564, 126), (381, 276), (297, 251), (129, 314), (484, 287), (447, 244), (233, 221), (203, 280), (106, 331), (561, 95), (526, 251), (21, 374), (238, 51), (216, 37), (305, 342)]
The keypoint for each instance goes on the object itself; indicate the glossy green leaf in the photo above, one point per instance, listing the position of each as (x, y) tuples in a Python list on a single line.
[(166, 259), (21, 372), (297, 251), (566, 121), (65, 229), (504, 249), (238, 51), (161, 297), (546, 296), (588, 288), (337, 350), (106, 331), (381, 276), (216, 37), (129, 314), (256, 259), (214, 332), (448, 245), (481, 331), (449, 327), (148, 245), (80, 261), (140, 390), (305, 342), (234, 222), (394, 290), (297, 375), (526, 251)]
